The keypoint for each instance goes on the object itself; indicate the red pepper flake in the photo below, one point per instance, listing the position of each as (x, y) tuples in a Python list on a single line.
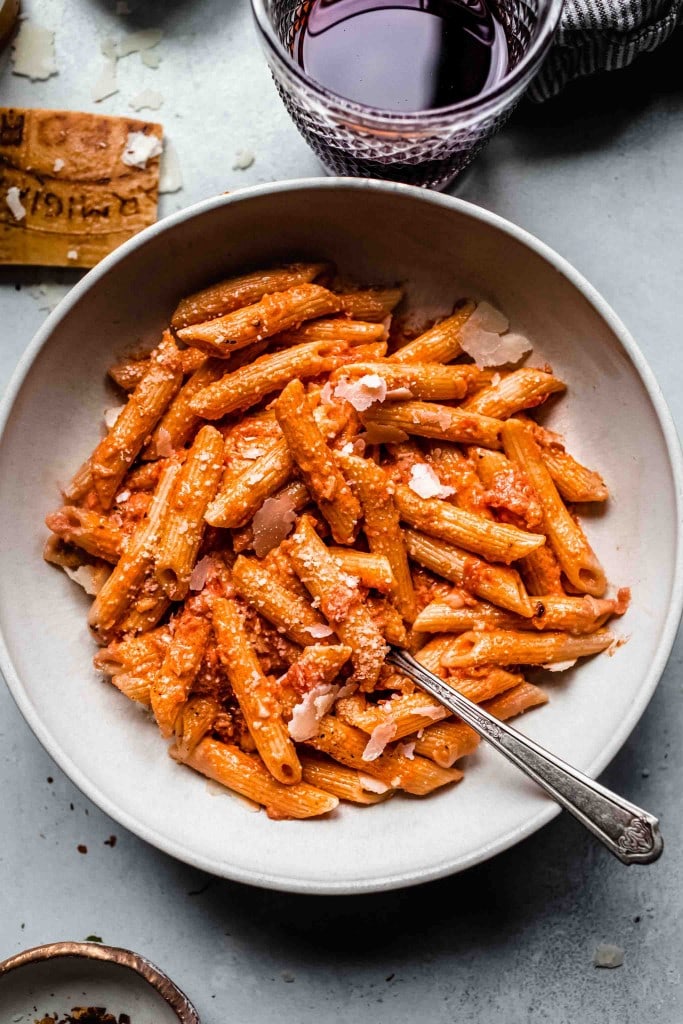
[(82, 848)]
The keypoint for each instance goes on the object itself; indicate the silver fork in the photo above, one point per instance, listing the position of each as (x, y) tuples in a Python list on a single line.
[(627, 831)]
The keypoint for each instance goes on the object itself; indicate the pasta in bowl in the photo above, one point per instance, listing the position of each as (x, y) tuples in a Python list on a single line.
[(287, 489), (438, 250)]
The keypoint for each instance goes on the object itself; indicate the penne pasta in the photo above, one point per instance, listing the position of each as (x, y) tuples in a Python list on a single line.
[(423, 380), (248, 385), (518, 390), (99, 535), (448, 742), (288, 612), (373, 571), (339, 601), (116, 596), (114, 455), (275, 312), (173, 682), (510, 647), (253, 574), (381, 525), (241, 495), (573, 614), (324, 480), (254, 692), (338, 329), (344, 783), (426, 419), (495, 541), (183, 524), (194, 721), (370, 303), (347, 745), (574, 553), (244, 290), (245, 774), (440, 344), (500, 585)]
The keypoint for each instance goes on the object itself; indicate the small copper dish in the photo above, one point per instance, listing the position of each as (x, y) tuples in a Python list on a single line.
[(64, 976)]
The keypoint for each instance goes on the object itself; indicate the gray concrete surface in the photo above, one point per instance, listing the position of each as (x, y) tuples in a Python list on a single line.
[(597, 175)]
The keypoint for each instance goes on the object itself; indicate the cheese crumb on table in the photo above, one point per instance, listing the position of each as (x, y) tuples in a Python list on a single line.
[(140, 148), (17, 208), (33, 52)]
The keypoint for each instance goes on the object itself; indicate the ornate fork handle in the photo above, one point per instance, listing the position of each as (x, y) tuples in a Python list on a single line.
[(629, 832)]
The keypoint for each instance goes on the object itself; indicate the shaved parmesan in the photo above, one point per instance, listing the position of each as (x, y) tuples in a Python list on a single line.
[(273, 522), (108, 48), (326, 393), (90, 577), (487, 318), (406, 750), (379, 737), (164, 448), (362, 393), (105, 83), (150, 59), (122, 496), (559, 666), (307, 714), (17, 208), (148, 99), (111, 415), (424, 482), (252, 452), (399, 394), (33, 52), (483, 338), (319, 630), (170, 175), (58, 165), (372, 785), (72, 254), (199, 573), (140, 148), (134, 42)]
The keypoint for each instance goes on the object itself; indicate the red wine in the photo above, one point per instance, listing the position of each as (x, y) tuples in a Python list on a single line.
[(402, 55)]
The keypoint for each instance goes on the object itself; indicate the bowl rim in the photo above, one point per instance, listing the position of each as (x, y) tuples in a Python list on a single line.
[(125, 958), (546, 813)]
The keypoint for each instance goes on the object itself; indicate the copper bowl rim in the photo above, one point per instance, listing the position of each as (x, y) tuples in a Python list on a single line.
[(167, 989)]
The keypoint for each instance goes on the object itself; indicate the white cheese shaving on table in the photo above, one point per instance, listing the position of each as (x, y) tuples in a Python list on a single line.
[(33, 52), (150, 59), (148, 99), (17, 208), (105, 83), (243, 160), (135, 42), (425, 483), (140, 148), (362, 393), (379, 737), (170, 175)]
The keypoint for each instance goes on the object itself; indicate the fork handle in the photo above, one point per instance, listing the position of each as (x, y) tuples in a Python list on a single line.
[(629, 832)]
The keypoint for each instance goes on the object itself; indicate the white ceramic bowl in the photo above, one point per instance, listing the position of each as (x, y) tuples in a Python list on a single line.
[(613, 414)]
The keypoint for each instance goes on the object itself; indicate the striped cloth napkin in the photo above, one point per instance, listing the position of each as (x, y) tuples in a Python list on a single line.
[(602, 35)]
